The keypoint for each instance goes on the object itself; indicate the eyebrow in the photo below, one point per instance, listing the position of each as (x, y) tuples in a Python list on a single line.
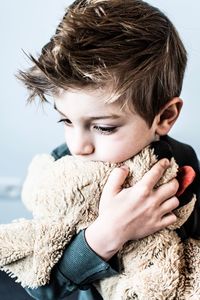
[(112, 116)]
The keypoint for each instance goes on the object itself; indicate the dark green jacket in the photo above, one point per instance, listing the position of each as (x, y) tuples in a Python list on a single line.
[(80, 266)]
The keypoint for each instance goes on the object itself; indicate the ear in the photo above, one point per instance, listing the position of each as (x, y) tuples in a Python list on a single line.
[(168, 115)]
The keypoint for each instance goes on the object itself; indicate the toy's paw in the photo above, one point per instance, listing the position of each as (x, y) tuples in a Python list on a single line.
[(185, 174), (16, 241)]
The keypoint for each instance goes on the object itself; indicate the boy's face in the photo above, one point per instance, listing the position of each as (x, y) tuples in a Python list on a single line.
[(98, 131)]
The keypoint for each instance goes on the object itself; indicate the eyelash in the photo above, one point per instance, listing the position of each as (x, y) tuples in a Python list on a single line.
[(105, 130), (101, 129)]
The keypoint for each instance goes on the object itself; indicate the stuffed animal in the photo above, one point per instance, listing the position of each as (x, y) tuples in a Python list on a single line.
[(64, 195)]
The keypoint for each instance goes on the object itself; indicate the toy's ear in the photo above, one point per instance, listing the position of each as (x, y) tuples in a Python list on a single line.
[(185, 175), (161, 149), (168, 115)]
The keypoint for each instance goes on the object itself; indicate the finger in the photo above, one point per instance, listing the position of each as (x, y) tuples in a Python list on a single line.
[(169, 205), (167, 190), (168, 219), (155, 173), (116, 180)]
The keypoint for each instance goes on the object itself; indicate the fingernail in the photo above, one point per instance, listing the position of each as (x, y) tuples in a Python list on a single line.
[(166, 162), (125, 168)]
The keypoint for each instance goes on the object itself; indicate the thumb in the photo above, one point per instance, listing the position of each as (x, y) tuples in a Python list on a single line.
[(115, 180)]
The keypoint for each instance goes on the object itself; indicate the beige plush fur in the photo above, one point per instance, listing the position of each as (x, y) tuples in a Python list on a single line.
[(63, 196)]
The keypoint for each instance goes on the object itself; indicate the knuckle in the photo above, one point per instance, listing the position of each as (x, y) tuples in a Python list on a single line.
[(152, 212), (144, 191), (157, 222)]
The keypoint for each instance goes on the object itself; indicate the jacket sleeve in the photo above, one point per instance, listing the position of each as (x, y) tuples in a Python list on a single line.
[(77, 269)]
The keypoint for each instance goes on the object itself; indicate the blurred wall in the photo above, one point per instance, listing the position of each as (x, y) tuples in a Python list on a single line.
[(27, 130)]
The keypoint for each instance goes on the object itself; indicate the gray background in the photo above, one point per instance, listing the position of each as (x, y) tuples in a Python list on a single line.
[(27, 130)]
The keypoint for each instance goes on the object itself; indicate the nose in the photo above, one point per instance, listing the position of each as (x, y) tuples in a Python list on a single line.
[(86, 150), (81, 144)]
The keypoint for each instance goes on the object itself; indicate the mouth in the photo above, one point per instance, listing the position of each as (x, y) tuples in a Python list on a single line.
[(87, 158), (82, 158)]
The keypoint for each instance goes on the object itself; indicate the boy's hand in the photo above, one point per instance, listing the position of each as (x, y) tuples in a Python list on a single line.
[(132, 213)]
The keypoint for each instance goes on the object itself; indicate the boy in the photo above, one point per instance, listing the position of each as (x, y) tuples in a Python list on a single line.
[(115, 70)]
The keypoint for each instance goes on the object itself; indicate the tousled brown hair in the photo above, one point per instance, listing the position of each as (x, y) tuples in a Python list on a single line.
[(127, 44)]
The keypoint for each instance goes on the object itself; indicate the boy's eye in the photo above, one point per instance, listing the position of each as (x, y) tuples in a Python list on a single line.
[(105, 129), (65, 121)]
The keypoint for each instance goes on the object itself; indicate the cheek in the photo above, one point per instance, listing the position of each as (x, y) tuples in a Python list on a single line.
[(115, 151), (124, 146), (68, 138), (124, 151)]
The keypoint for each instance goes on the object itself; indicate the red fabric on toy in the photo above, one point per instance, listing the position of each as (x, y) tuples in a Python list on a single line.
[(185, 177)]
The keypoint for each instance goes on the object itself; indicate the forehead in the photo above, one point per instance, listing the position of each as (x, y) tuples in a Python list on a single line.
[(89, 101)]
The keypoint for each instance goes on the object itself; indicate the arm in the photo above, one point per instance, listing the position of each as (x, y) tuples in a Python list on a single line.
[(78, 267)]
